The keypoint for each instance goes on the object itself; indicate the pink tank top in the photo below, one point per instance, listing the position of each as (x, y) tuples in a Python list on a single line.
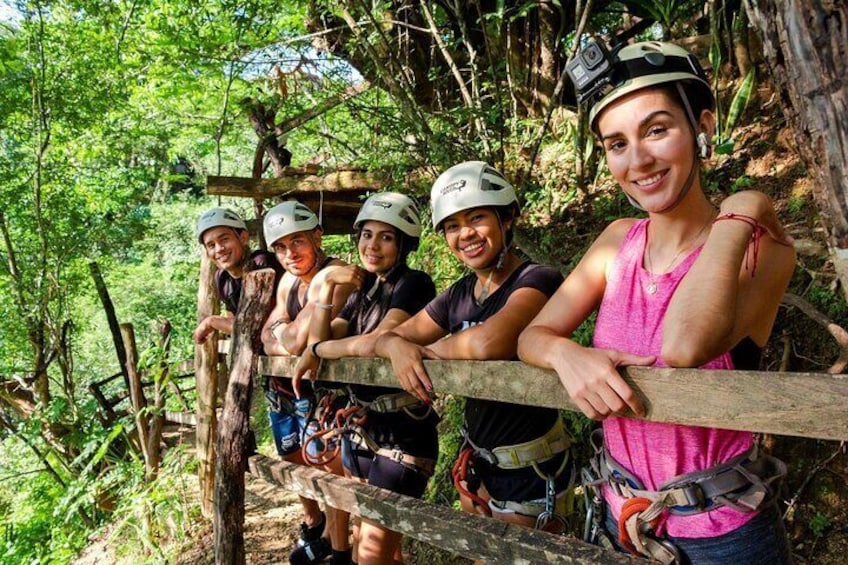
[(630, 319)]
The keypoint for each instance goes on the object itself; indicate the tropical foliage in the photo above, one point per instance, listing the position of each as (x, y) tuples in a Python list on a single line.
[(112, 113)]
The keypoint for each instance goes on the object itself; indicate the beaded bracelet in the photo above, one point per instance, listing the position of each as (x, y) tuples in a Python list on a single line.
[(759, 230)]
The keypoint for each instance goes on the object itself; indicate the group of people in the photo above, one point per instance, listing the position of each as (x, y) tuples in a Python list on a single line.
[(687, 285)]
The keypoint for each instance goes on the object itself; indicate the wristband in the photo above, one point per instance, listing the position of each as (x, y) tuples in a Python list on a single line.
[(315, 349), (323, 306)]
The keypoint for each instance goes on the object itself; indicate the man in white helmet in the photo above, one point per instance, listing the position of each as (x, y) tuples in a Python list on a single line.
[(223, 235), (293, 232)]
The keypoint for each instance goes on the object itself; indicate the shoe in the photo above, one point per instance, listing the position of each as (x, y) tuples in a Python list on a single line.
[(313, 552), (311, 533)]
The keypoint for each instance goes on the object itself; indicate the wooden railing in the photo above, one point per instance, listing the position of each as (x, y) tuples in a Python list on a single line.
[(799, 404)]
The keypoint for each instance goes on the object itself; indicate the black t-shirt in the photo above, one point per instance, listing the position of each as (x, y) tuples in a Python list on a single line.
[(229, 288), (491, 424), (403, 288)]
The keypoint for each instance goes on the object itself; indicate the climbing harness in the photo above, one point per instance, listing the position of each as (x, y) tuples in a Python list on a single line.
[(746, 483), (318, 444), (548, 514), (347, 424)]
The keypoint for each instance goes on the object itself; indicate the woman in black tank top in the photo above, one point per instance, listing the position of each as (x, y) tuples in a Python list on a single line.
[(403, 445)]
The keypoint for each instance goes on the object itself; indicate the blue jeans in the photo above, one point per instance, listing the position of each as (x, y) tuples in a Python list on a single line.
[(760, 541), (288, 421)]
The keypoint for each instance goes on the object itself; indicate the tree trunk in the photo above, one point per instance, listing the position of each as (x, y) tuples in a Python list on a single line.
[(806, 46), (231, 462), (111, 318)]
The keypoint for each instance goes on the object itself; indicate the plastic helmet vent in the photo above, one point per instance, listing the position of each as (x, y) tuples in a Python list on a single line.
[(472, 184), (218, 217), (287, 218), (392, 208)]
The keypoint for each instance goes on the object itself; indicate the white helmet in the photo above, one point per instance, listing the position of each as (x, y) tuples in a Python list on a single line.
[(216, 218), (393, 208), (287, 218), (469, 185)]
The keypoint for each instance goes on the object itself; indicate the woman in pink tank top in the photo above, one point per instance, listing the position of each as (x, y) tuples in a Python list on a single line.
[(689, 286)]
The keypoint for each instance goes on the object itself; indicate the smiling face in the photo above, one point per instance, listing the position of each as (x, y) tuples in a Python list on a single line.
[(298, 252), (226, 247), (378, 247), (475, 236), (650, 146)]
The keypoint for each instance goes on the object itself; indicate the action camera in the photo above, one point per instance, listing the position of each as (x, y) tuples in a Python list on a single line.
[(590, 69)]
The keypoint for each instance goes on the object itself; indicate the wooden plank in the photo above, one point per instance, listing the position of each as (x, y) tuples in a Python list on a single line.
[(472, 536), (231, 461), (796, 404), (206, 375), (336, 182), (185, 418)]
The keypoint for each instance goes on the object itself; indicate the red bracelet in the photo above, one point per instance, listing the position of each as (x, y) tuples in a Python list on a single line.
[(755, 236)]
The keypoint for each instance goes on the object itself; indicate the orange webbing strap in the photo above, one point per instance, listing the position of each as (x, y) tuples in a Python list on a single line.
[(632, 507), (459, 472), (636, 525)]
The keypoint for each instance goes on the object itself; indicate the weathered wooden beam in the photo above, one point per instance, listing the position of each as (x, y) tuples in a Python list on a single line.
[(206, 375), (231, 460), (337, 183), (796, 404), (184, 418), (472, 536)]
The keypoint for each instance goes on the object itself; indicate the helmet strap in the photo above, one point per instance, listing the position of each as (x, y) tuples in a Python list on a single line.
[(499, 263)]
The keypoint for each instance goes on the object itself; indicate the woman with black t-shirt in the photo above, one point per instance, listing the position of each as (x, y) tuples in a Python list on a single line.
[(397, 444), (501, 472)]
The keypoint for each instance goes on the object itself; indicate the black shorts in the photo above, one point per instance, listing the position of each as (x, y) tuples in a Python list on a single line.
[(522, 485), (398, 431)]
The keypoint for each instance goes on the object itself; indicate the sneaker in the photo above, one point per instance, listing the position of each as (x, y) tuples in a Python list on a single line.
[(313, 552), (311, 533)]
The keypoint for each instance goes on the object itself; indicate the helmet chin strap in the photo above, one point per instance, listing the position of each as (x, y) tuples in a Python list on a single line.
[(499, 263)]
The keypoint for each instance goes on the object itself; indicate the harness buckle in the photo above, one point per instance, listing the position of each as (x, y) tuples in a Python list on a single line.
[(395, 455), (694, 495), (486, 456)]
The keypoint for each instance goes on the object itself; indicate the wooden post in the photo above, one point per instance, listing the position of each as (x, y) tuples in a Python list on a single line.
[(139, 403), (160, 376), (111, 318), (231, 462), (206, 375)]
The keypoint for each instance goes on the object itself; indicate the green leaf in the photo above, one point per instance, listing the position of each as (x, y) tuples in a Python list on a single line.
[(725, 148), (740, 101)]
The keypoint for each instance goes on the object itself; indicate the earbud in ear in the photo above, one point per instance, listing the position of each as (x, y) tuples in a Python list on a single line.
[(704, 147)]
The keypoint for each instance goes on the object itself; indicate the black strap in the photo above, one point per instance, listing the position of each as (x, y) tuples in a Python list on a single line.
[(645, 66)]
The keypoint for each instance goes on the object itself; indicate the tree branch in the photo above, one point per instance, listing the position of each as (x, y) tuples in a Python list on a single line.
[(837, 331)]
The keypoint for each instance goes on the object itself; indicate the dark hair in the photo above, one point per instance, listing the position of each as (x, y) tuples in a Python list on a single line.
[(505, 214)]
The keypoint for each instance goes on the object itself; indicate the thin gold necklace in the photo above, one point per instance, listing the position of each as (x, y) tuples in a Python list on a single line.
[(652, 285)]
